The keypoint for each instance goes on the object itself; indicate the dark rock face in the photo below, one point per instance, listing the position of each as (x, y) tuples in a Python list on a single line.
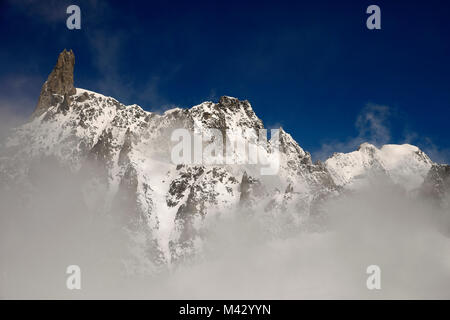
[(101, 152), (59, 83), (126, 148), (187, 177), (248, 186), (127, 198), (437, 183), (245, 189), (182, 249)]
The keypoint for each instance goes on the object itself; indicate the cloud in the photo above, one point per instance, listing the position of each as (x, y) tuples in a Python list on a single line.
[(9, 119), (106, 48), (107, 51), (372, 125), (151, 94), (379, 225)]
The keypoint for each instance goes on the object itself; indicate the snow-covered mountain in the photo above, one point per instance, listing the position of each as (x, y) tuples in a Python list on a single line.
[(405, 165), (123, 154)]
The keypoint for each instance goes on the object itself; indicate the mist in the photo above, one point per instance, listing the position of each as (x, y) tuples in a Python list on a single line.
[(325, 257), (377, 226)]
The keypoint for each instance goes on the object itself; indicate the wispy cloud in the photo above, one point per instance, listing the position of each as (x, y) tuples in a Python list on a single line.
[(107, 52), (372, 126)]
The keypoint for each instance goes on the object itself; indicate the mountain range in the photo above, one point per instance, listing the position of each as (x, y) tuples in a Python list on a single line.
[(122, 156)]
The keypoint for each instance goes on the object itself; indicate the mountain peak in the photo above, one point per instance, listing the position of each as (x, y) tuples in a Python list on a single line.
[(404, 164), (231, 102), (228, 100), (59, 84), (366, 146)]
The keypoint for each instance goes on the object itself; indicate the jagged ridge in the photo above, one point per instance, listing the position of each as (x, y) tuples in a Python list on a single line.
[(127, 149)]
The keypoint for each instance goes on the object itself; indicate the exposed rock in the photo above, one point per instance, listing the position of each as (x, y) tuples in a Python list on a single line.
[(126, 148), (437, 184), (244, 188), (59, 83)]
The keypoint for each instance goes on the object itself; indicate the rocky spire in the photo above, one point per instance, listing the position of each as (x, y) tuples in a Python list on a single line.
[(244, 188), (59, 85)]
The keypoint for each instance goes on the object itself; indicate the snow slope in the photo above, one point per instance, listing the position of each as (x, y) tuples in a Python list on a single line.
[(405, 165)]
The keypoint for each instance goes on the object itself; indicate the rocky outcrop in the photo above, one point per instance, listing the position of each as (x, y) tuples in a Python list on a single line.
[(59, 85), (249, 187), (437, 184)]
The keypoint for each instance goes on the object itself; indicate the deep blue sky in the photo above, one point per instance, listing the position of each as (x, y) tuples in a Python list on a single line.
[(310, 66)]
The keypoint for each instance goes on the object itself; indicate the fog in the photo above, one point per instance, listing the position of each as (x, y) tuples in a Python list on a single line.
[(378, 226), (381, 225)]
